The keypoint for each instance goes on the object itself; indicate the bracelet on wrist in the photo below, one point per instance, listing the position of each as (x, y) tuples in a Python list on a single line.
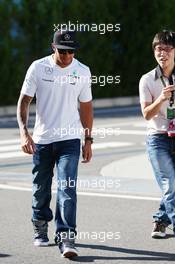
[(89, 139)]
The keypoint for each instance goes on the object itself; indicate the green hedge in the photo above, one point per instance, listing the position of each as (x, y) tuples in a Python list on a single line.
[(27, 27)]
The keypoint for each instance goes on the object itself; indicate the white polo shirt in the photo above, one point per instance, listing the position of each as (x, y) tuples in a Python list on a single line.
[(58, 91), (150, 87)]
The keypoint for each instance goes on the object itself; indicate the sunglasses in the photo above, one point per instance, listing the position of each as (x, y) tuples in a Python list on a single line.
[(166, 49), (64, 51)]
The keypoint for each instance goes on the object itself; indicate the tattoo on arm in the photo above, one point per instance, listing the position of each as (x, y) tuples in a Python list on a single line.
[(23, 111)]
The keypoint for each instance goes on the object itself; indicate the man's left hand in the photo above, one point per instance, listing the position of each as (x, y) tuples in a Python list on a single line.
[(86, 152)]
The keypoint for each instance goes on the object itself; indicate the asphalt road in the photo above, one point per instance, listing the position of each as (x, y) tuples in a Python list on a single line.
[(117, 195)]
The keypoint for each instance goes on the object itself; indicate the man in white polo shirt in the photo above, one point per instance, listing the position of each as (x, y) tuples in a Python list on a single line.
[(157, 103), (61, 84)]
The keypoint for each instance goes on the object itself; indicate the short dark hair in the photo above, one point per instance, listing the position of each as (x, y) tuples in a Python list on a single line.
[(166, 37)]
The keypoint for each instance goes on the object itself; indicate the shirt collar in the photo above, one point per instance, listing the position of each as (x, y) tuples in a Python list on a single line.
[(52, 62), (159, 73)]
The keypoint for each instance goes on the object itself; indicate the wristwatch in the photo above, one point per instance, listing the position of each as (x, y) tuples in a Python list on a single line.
[(89, 139)]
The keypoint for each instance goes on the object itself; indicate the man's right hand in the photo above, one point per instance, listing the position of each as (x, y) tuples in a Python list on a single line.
[(27, 144), (166, 92)]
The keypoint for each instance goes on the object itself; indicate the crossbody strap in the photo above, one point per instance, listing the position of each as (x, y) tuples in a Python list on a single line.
[(171, 100)]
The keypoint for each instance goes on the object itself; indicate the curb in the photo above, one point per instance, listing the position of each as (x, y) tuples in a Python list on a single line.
[(97, 103), (116, 102)]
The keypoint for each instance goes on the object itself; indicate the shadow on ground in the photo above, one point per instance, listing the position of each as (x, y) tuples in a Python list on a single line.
[(139, 255)]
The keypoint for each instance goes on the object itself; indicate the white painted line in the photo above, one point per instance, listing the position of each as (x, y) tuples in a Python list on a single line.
[(9, 141), (11, 118), (116, 124), (112, 144), (143, 124), (132, 197), (15, 188), (132, 132), (93, 194), (109, 144), (117, 131), (9, 151), (12, 173), (9, 148), (13, 155)]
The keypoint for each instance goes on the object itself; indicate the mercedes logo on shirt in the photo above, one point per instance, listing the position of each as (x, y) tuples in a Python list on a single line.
[(48, 70)]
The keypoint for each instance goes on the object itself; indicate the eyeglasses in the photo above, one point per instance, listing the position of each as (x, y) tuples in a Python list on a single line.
[(64, 51), (166, 49)]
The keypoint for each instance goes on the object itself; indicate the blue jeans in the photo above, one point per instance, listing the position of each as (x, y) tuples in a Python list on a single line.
[(161, 152), (65, 155)]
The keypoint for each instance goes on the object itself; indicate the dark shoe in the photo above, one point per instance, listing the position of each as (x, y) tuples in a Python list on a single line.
[(57, 238), (67, 245), (159, 230), (174, 230), (40, 233)]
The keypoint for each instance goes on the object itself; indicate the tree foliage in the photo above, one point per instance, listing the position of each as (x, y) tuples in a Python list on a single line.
[(26, 30)]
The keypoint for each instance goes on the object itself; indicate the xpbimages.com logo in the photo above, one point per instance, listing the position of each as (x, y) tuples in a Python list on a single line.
[(101, 184), (101, 236), (100, 132), (102, 80), (101, 28)]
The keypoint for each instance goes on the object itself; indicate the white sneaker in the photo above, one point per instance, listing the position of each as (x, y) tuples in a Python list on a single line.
[(40, 233), (66, 244), (68, 250), (40, 242), (159, 230)]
